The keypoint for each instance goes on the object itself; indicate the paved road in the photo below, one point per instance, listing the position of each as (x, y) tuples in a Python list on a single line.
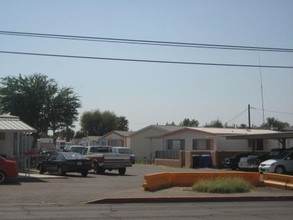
[(208, 211)]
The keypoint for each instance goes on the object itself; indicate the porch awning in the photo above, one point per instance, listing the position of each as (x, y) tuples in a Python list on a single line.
[(279, 135), (10, 123)]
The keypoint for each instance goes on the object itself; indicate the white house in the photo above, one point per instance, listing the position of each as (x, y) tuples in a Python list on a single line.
[(215, 142), (144, 145), (117, 138), (15, 139), (15, 136), (90, 141)]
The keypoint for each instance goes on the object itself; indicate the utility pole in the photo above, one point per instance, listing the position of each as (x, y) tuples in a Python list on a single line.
[(249, 124)]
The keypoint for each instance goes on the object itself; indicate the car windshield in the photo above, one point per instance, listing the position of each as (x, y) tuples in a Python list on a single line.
[(72, 155), (77, 149), (100, 149), (125, 151), (281, 155)]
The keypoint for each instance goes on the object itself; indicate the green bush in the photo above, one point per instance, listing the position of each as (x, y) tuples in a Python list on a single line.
[(223, 185)]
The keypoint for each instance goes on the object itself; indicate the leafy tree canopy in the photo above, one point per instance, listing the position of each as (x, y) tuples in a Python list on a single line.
[(275, 124), (39, 102), (99, 123), (215, 124), (189, 123)]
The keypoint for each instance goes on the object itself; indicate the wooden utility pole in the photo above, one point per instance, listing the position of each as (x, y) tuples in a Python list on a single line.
[(249, 124)]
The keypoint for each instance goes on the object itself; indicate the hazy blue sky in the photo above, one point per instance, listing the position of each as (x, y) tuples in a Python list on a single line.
[(158, 93)]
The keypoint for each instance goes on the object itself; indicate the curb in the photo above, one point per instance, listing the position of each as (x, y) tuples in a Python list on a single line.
[(190, 199)]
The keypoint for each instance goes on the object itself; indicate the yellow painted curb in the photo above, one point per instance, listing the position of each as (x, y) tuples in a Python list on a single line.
[(278, 180)]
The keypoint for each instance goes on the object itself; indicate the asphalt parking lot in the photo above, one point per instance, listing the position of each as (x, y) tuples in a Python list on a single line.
[(74, 189)]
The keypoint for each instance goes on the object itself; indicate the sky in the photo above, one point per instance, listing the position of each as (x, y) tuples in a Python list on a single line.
[(157, 93)]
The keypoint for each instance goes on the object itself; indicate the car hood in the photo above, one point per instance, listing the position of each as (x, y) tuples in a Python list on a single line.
[(268, 162)]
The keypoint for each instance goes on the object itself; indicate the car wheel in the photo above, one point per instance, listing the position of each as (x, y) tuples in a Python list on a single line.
[(100, 170), (280, 170), (84, 173), (60, 171), (122, 171), (42, 170), (2, 177)]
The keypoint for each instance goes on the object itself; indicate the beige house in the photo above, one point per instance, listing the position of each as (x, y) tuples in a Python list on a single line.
[(144, 145), (215, 142), (90, 141), (117, 138)]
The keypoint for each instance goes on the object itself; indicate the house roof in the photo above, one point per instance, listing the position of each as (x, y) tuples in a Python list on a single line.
[(120, 133), (220, 131), (278, 135), (164, 128), (91, 138), (10, 123)]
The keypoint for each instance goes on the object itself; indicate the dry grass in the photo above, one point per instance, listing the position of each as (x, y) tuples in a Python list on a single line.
[(223, 185)]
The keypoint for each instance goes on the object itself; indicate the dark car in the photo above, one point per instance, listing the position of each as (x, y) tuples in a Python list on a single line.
[(232, 162), (63, 162), (75, 148)]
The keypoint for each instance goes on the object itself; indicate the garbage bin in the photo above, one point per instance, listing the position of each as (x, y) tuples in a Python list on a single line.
[(195, 161), (205, 160)]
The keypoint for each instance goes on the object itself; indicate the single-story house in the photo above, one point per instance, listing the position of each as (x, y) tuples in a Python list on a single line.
[(117, 138), (144, 146), (15, 138), (215, 142), (90, 141)]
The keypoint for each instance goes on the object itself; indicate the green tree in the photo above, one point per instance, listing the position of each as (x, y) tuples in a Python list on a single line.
[(122, 124), (36, 99), (63, 110), (99, 123), (171, 124), (189, 123), (275, 124), (215, 124), (79, 135), (66, 133)]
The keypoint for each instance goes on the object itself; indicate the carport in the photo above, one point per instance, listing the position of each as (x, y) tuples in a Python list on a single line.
[(282, 137)]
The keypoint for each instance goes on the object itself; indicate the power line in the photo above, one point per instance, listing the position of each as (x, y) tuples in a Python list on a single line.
[(237, 116), (272, 111), (145, 60), (147, 42)]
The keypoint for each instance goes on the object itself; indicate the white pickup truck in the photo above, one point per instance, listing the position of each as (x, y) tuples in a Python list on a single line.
[(106, 158)]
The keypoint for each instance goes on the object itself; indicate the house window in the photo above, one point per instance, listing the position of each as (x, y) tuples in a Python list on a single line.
[(259, 144), (201, 144), (176, 144), (2, 136)]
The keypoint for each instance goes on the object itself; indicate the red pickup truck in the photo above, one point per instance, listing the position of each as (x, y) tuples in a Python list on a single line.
[(105, 158), (8, 168)]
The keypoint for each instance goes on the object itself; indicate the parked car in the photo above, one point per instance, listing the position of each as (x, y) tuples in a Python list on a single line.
[(8, 168), (63, 162), (104, 158), (124, 150), (282, 163), (250, 162), (232, 162), (75, 148)]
